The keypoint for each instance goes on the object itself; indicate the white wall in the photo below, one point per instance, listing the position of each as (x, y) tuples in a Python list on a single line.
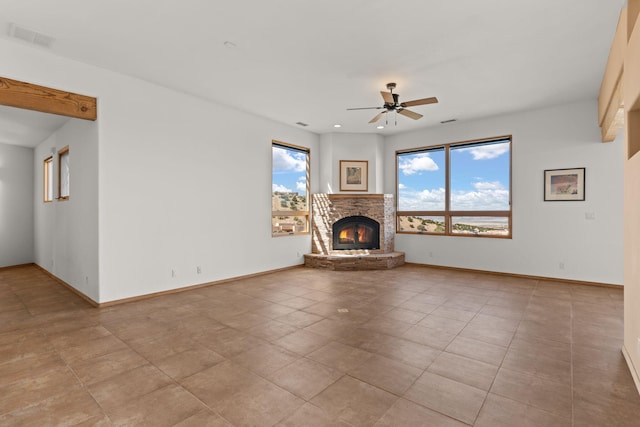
[(345, 146), (16, 205), (544, 233), (182, 182), (66, 232)]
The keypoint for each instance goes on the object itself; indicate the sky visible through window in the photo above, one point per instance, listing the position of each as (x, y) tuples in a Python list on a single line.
[(289, 171), (479, 178)]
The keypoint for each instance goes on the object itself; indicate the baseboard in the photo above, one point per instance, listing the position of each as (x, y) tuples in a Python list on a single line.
[(146, 296), (192, 287), (68, 286), (632, 368), (519, 276)]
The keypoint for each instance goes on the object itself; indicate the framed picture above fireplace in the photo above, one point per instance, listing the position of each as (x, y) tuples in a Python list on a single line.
[(354, 175)]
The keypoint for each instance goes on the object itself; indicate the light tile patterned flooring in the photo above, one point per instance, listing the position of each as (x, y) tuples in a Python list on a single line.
[(418, 347)]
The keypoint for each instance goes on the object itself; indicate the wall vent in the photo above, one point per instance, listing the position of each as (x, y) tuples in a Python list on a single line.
[(302, 124), (448, 121), (30, 36)]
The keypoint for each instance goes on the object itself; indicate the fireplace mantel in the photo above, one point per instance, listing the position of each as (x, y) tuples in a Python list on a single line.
[(357, 196)]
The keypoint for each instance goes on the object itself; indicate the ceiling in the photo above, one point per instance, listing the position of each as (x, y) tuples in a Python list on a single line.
[(27, 128), (297, 61)]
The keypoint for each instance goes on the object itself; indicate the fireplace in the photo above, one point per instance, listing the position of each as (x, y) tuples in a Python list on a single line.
[(353, 232), (356, 232)]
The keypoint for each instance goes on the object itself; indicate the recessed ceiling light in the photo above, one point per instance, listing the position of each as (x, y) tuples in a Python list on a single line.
[(337, 126), (380, 127)]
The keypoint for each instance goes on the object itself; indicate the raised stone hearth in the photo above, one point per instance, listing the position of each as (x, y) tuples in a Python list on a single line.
[(330, 208), (346, 262)]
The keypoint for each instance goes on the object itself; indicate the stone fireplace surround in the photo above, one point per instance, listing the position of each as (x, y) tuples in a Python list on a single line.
[(329, 208)]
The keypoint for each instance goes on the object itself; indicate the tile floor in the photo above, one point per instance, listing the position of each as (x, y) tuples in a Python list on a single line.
[(417, 347)]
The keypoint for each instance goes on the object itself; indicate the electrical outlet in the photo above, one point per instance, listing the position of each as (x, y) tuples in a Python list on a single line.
[(430, 254), (590, 215), (198, 270), (173, 273), (298, 254), (86, 280), (561, 266)]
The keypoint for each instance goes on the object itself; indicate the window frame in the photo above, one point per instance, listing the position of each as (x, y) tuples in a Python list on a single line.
[(447, 213), (304, 213), (47, 182), (63, 152)]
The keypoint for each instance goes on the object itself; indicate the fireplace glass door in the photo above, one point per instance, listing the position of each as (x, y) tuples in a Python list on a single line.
[(356, 232)]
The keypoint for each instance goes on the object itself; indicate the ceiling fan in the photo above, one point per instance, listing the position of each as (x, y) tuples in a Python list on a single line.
[(391, 103)]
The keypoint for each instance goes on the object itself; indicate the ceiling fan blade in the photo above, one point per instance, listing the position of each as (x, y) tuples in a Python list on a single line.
[(388, 97), (411, 114), (366, 108), (376, 118), (423, 101)]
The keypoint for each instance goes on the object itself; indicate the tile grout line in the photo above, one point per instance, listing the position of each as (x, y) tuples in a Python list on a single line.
[(175, 382), (505, 355), (573, 421)]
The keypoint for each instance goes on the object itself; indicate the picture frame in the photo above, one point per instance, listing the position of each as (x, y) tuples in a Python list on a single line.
[(354, 175), (564, 185)]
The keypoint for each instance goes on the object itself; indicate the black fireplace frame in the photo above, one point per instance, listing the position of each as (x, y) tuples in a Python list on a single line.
[(355, 221)]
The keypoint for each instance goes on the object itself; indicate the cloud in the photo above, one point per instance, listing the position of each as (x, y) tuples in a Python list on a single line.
[(488, 186), (425, 200), (280, 188), (486, 196), (486, 152), (490, 196), (417, 163), (286, 160), (301, 185), (402, 186)]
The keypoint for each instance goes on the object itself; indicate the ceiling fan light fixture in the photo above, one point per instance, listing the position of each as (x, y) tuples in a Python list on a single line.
[(337, 126), (380, 127)]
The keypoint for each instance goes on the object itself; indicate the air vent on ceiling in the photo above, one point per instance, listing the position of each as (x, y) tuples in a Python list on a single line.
[(448, 121), (302, 124), (30, 36)]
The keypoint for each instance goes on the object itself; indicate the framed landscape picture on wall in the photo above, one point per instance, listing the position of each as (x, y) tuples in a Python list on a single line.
[(354, 175), (564, 184)]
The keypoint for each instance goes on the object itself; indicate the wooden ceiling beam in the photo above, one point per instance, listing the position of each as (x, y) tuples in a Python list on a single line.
[(610, 99), (14, 93)]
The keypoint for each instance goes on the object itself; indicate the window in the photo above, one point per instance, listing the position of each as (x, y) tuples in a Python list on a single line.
[(48, 179), (63, 174), (461, 189), (289, 189)]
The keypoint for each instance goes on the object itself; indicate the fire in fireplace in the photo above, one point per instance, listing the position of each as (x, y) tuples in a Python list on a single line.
[(356, 232)]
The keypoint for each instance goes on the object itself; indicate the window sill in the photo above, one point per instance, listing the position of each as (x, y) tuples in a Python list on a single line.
[(299, 233)]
